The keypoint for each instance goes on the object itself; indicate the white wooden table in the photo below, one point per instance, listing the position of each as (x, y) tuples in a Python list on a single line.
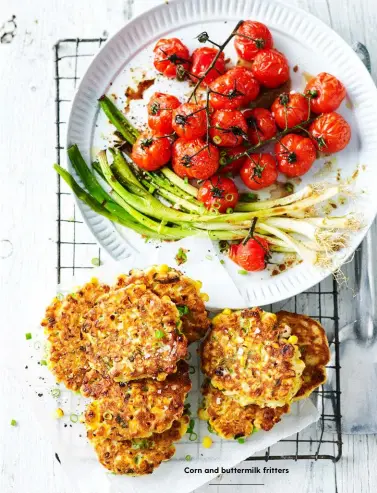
[(28, 232)]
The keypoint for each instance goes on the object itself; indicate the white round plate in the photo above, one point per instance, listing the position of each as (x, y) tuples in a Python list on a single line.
[(307, 43)]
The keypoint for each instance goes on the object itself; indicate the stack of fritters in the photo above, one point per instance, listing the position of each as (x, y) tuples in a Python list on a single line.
[(124, 346), (257, 363)]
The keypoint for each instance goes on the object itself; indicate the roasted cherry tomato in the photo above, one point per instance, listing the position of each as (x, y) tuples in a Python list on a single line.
[(160, 108), (290, 109), (295, 155), (252, 37), (331, 132), (190, 120), (228, 128), (202, 59), (218, 194), (226, 163), (261, 125), (326, 93), (252, 256), (169, 54), (270, 68), (259, 171), (151, 151), (234, 89), (192, 158)]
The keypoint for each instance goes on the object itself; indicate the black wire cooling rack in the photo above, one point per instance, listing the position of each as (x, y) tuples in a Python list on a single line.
[(78, 250)]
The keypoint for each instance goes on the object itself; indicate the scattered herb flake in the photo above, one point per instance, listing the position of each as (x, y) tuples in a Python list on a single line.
[(181, 257), (159, 334), (13, 422), (183, 310), (96, 261), (243, 272), (241, 440), (28, 336)]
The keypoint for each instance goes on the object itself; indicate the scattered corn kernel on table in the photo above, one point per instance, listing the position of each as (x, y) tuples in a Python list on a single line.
[(28, 235)]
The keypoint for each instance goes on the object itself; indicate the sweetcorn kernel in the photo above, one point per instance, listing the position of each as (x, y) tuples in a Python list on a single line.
[(207, 442), (293, 339), (204, 296), (163, 268), (202, 414), (227, 311), (59, 413), (198, 284)]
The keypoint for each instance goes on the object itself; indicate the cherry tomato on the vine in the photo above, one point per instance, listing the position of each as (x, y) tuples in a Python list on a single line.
[(194, 159), (252, 256), (295, 155), (160, 108), (226, 163), (202, 59), (290, 110), (218, 194), (270, 68), (259, 171), (169, 54), (331, 132), (326, 93), (261, 125), (252, 37), (190, 120), (228, 128), (151, 151), (234, 89)]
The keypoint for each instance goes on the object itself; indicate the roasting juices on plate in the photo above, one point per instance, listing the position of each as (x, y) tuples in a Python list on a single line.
[(175, 178), (124, 347)]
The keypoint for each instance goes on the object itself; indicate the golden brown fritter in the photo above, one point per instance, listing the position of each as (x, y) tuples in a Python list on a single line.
[(132, 334), (67, 358), (137, 409), (230, 420), (141, 455), (251, 358), (183, 291), (314, 349)]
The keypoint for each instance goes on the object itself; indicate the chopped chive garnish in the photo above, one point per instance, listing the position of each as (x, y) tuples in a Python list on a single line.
[(55, 392), (192, 370), (159, 334), (188, 457), (181, 256), (193, 437), (229, 210), (209, 257), (241, 440), (185, 179), (222, 261), (28, 336), (74, 418), (13, 422), (289, 187), (183, 310), (248, 197), (96, 261), (43, 362), (243, 272)]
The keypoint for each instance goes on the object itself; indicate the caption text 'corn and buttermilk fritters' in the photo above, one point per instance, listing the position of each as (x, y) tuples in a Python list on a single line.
[(228, 419), (135, 409), (182, 290), (251, 359), (132, 334), (314, 349), (141, 455), (67, 357)]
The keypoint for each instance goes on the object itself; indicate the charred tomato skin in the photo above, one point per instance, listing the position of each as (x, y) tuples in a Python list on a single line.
[(228, 128), (151, 151), (326, 93), (259, 171), (252, 256), (193, 159), (270, 68), (261, 125), (168, 54), (218, 194), (160, 108), (202, 59), (290, 109), (189, 120), (260, 38), (295, 155), (330, 132)]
